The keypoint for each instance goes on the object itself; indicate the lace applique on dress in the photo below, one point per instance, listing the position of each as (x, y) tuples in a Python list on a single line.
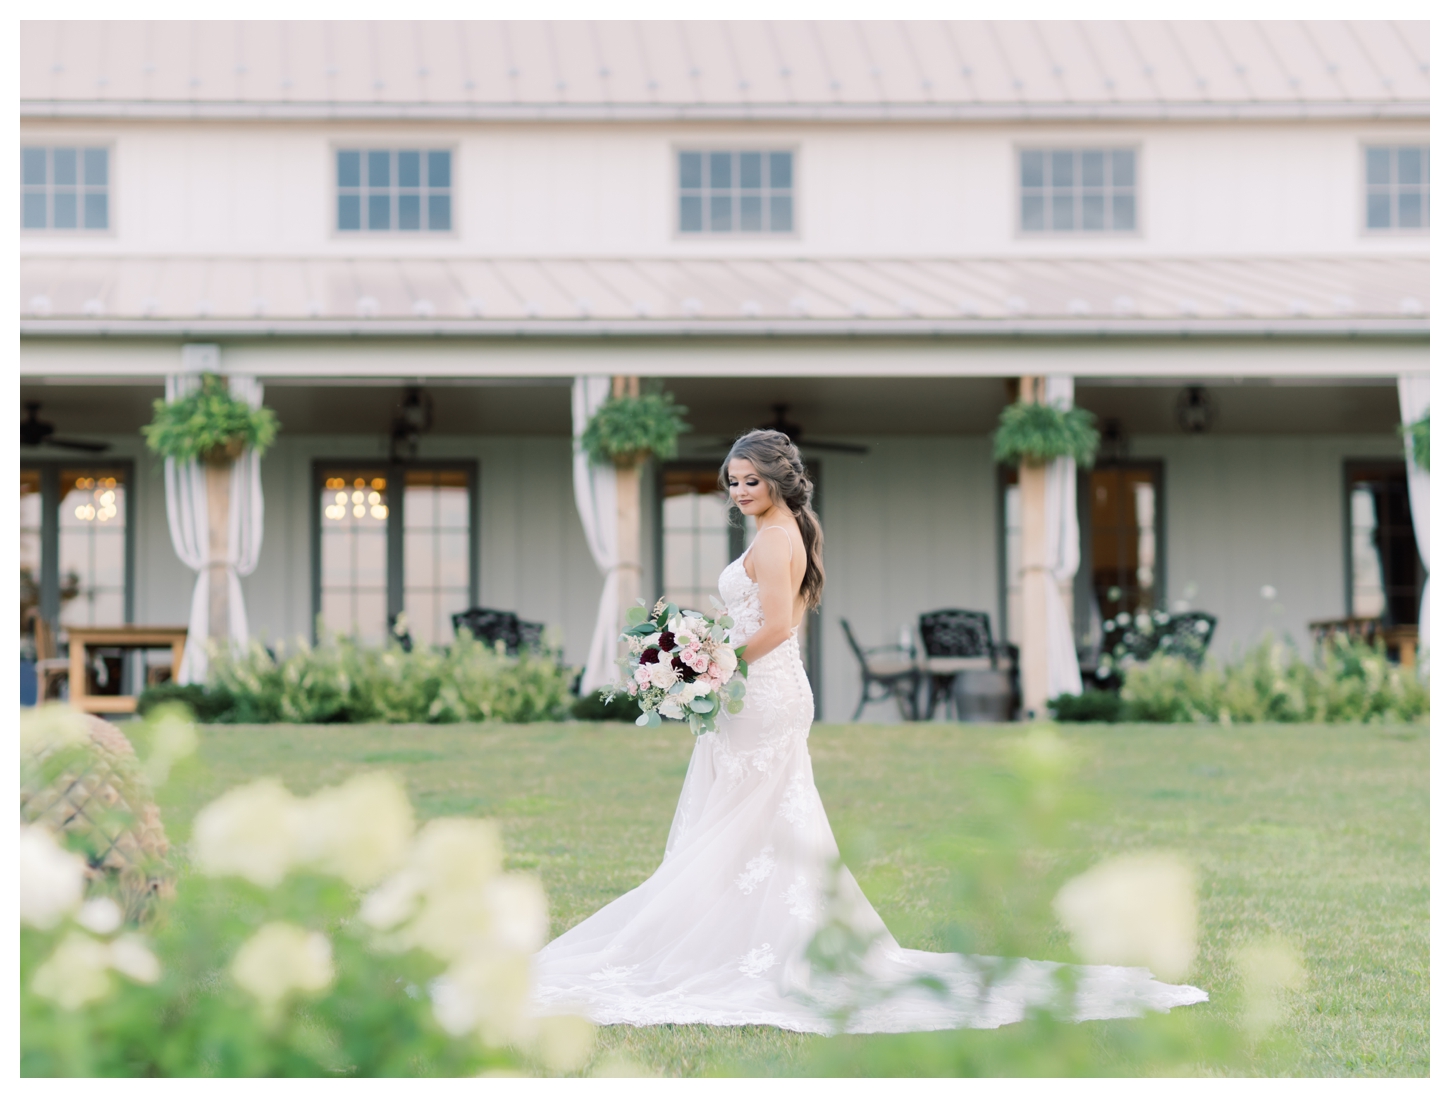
[(758, 869), (802, 900), (796, 807), (610, 975), (758, 961)]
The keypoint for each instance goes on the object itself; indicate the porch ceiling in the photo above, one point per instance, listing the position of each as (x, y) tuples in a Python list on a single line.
[(828, 409), (218, 296)]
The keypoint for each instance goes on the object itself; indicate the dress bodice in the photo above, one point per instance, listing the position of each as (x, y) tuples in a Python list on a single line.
[(741, 596)]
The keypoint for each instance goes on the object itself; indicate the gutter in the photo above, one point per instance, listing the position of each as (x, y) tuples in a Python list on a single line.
[(1416, 328), (280, 111)]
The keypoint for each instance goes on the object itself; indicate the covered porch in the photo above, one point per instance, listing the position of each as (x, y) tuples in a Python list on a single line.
[(1262, 484)]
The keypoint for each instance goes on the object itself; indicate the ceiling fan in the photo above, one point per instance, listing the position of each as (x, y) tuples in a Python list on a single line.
[(34, 431), (796, 433)]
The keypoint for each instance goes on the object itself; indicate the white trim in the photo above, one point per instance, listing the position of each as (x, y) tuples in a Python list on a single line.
[(1368, 327), (780, 112)]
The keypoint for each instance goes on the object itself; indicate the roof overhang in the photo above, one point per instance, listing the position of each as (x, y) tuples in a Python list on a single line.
[(1165, 111), (1412, 328)]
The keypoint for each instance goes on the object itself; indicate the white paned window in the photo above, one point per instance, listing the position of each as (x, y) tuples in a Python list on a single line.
[(1078, 190), (394, 190), (736, 192), (65, 188), (1397, 187)]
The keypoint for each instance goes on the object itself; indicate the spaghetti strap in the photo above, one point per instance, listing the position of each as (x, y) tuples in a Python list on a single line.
[(790, 544)]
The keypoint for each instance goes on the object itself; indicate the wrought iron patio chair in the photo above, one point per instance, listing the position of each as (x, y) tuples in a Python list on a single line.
[(954, 641), (890, 670), (1130, 639), (492, 626)]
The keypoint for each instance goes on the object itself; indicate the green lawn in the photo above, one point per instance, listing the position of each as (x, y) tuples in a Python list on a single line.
[(1320, 834)]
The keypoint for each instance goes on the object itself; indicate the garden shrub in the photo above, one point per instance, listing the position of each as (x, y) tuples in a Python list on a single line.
[(1103, 706), (593, 707), (1352, 683), (341, 681)]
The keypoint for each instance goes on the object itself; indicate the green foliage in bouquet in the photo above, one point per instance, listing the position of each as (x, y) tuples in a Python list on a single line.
[(1351, 683), (627, 429), (317, 936), (1419, 435), (1039, 433), (342, 681), (209, 420), (1023, 883)]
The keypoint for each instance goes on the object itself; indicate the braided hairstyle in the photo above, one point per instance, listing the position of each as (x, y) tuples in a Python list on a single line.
[(779, 464)]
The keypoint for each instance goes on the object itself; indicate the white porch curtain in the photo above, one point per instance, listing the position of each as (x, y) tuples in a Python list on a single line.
[(594, 494), (1061, 553), (186, 517), (1414, 403)]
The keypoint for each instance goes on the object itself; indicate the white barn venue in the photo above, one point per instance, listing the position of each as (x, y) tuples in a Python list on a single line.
[(418, 239)]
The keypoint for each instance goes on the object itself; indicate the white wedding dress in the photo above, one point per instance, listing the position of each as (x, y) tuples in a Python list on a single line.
[(718, 934)]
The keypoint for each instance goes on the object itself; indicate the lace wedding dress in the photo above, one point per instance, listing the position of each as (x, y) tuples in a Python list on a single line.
[(718, 934)]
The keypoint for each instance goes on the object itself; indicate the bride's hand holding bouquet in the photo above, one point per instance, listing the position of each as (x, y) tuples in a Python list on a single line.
[(681, 666)]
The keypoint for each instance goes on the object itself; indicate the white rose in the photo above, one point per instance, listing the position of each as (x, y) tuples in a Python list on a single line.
[(52, 880), (725, 656), (253, 832), (697, 689), (662, 675), (671, 709), (282, 958)]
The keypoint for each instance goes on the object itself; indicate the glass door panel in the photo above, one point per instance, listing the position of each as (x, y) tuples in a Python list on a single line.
[(353, 564), (1125, 540), (435, 551), (92, 546)]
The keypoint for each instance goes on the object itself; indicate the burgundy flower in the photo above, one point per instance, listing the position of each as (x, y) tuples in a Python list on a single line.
[(650, 655), (667, 641), (686, 672)]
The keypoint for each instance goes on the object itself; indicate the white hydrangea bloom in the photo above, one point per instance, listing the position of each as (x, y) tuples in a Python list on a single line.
[(100, 916), (173, 738), (76, 973), (252, 831), (358, 830), (52, 880), (1139, 909), (132, 957), (519, 913), (282, 958)]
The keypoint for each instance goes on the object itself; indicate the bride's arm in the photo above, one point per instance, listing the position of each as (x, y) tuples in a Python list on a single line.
[(771, 557)]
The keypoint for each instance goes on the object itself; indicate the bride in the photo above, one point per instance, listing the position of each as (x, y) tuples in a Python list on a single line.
[(719, 933)]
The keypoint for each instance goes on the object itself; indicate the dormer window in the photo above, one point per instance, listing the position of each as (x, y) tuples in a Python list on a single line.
[(1078, 190), (65, 188), (1397, 188), (735, 193), (394, 190)]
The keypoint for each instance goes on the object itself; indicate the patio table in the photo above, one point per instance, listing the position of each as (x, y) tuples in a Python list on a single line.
[(83, 637)]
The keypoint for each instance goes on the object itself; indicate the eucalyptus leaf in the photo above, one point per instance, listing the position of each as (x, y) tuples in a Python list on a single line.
[(636, 615), (643, 720), (703, 705)]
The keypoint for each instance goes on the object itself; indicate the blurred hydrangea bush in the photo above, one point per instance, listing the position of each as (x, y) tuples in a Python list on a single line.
[(1351, 682), (310, 936), (1023, 883), (341, 681)]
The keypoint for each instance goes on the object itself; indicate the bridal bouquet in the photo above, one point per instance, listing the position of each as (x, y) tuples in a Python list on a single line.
[(681, 666)]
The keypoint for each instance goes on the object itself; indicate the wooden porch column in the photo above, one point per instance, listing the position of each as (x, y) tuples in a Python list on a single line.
[(218, 470), (626, 493), (1037, 585)]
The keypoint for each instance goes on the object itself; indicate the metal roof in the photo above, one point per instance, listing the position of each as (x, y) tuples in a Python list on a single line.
[(1330, 295), (725, 69)]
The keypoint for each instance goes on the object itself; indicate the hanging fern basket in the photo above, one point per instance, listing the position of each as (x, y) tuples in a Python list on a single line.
[(627, 430), (209, 424), (1039, 433)]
